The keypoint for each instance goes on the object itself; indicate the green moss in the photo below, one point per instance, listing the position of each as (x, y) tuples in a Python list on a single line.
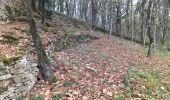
[(69, 40), (10, 38), (54, 80), (9, 12), (3, 89), (119, 96), (68, 84), (149, 84), (20, 98), (8, 60), (59, 96), (39, 97)]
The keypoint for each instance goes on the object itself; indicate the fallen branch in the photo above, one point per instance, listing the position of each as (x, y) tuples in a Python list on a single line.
[(90, 68)]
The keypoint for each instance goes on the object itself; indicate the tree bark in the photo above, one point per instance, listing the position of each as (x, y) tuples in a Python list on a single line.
[(149, 28), (118, 20), (111, 21), (33, 5), (143, 22), (94, 13), (44, 67)]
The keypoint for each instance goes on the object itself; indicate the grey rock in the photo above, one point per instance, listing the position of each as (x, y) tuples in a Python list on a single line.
[(5, 77), (17, 80)]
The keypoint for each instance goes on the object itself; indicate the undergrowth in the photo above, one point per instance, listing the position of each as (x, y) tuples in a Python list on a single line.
[(144, 85)]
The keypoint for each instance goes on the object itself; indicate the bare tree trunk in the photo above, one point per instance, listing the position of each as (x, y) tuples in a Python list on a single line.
[(143, 22), (165, 22), (132, 22), (94, 13), (127, 17), (149, 27), (67, 8), (33, 5), (43, 12), (103, 16), (118, 20), (61, 5), (39, 5), (44, 67), (111, 21), (85, 8)]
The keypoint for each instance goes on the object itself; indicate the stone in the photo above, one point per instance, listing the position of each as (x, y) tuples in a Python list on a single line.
[(17, 66), (20, 84), (11, 89), (1, 64), (15, 72), (23, 75), (23, 61), (2, 73), (5, 77), (17, 80)]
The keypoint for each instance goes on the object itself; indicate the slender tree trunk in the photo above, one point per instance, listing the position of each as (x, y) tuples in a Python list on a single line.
[(94, 13), (103, 14), (33, 5), (149, 27), (44, 67), (132, 22), (165, 23), (127, 17), (143, 22), (67, 8), (61, 5), (118, 20), (111, 21), (43, 12), (39, 5)]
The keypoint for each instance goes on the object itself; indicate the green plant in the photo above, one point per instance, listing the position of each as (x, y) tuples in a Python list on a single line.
[(39, 97), (10, 38), (59, 96), (119, 96), (145, 85), (68, 83), (20, 98)]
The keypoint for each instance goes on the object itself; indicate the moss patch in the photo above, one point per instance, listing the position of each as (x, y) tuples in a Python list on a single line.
[(3, 89), (10, 38), (69, 40), (8, 60)]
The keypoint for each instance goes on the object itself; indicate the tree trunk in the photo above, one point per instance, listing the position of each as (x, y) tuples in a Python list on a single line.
[(118, 20), (43, 12), (143, 22), (103, 15), (67, 8), (39, 5), (44, 67), (149, 27), (111, 21), (132, 22), (33, 5), (61, 5), (94, 13)]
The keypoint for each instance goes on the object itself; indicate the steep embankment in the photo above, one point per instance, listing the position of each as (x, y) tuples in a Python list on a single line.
[(97, 68), (87, 64)]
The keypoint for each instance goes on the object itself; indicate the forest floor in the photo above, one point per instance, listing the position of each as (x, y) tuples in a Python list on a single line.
[(88, 65)]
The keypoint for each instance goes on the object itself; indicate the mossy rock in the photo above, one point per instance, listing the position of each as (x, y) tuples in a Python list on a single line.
[(69, 40), (9, 12), (3, 89)]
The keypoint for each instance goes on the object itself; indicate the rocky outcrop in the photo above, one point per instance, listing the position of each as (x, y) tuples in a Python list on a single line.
[(17, 79)]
